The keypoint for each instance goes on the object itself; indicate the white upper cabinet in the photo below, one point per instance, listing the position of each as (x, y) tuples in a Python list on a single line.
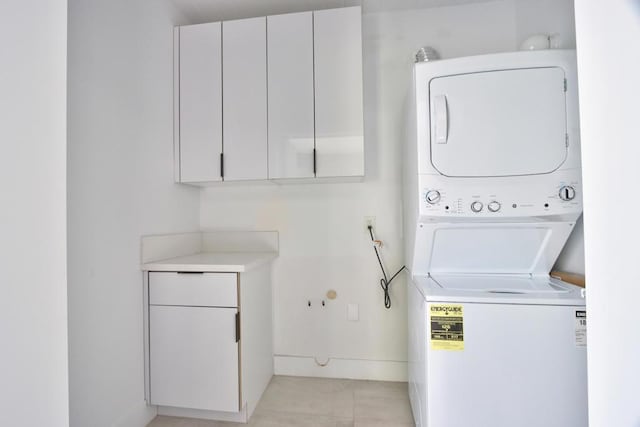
[(244, 70), (290, 89), (270, 98), (338, 92), (198, 124)]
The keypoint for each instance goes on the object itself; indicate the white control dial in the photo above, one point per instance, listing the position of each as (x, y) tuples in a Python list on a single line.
[(567, 193), (476, 206), (494, 206), (432, 197)]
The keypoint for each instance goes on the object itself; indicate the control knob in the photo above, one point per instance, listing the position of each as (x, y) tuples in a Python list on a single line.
[(567, 193), (494, 206), (432, 197), (476, 206)]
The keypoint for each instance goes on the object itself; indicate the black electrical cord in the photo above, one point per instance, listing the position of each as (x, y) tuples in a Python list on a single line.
[(385, 283)]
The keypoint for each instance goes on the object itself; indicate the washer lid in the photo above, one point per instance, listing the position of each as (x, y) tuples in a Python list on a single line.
[(495, 284), (499, 289), (488, 248)]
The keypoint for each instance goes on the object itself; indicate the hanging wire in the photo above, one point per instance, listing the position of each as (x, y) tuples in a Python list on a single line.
[(385, 282)]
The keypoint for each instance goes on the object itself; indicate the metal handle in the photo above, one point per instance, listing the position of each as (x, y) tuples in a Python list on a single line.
[(221, 165), (237, 327)]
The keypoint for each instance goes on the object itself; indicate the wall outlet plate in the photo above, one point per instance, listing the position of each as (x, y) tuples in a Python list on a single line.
[(369, 221)]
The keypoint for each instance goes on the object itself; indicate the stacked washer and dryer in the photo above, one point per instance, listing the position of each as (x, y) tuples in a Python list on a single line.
[(492, 193)]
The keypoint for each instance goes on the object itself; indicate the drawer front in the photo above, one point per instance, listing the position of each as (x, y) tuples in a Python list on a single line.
[(193, 289)]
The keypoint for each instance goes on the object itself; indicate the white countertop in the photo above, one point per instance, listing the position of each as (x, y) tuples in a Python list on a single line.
[(214, 262)]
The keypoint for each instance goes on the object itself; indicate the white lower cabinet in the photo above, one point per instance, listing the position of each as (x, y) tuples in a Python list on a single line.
[(208, 342), (194, 357)]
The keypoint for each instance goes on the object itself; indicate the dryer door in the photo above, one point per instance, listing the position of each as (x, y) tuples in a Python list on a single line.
[(498, 123)]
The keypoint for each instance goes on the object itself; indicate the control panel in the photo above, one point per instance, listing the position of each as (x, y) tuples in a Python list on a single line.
[(500, 197)]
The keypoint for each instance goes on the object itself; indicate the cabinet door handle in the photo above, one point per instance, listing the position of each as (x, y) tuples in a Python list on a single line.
[(237, 327), (221, 165)]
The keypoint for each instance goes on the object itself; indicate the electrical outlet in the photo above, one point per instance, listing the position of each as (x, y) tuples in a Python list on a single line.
[(369, 221)]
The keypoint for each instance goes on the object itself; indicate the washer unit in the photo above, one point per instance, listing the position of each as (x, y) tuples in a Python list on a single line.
[(492, 193)]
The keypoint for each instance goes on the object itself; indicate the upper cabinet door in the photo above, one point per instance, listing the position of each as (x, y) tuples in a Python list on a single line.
[(290, 83), (244, 67), (499, 123), (199, 102), (338, 92)]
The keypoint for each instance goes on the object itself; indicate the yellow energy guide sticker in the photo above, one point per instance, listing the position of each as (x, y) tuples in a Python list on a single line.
[(447, 331)]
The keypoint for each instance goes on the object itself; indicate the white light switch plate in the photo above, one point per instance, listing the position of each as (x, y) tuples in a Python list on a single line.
[(352, 312)]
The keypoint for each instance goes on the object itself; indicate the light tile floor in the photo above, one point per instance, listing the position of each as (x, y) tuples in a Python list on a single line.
[(320, 402)]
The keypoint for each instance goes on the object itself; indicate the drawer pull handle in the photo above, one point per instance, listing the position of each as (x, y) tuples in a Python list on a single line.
[(190, 272)]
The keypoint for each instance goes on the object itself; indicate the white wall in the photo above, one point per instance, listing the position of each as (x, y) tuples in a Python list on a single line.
[(546, 16), (33, 307), (323, 242), (609, 66), (120, 187)]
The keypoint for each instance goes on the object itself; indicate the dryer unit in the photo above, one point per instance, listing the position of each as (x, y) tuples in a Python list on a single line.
[(492, 193)]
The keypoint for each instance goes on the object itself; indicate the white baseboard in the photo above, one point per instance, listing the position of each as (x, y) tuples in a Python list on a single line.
[(378, 370)]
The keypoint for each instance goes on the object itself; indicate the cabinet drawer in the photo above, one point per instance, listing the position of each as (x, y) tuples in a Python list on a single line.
[(193, 289)]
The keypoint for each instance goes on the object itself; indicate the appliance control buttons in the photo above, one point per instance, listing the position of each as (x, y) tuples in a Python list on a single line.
[(567, 193), (432, 197), (494, 206), (476, 206)]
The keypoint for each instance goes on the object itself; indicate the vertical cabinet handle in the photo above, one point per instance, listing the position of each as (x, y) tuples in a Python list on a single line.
[(314, 162), (237, 327), (221, 165)]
